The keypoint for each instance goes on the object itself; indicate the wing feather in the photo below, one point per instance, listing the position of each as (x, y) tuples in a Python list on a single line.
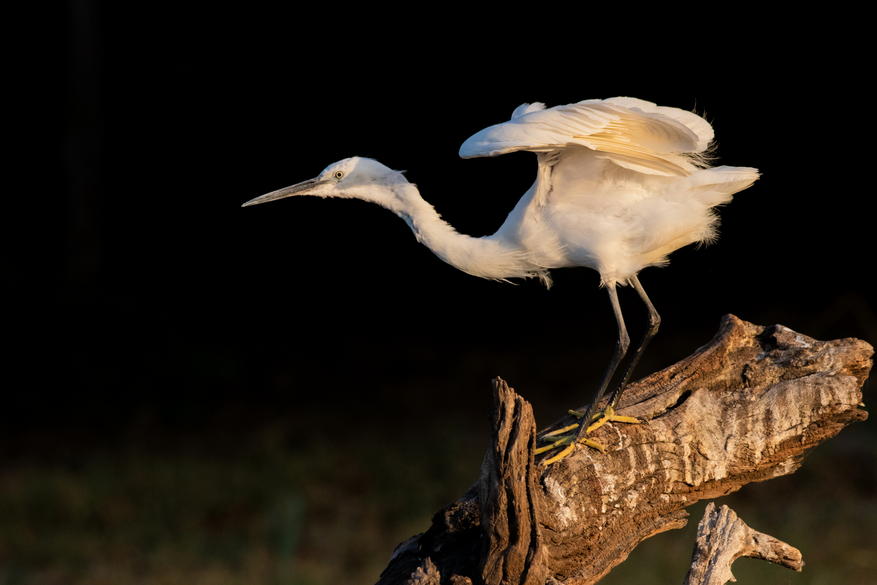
[(632, 133)]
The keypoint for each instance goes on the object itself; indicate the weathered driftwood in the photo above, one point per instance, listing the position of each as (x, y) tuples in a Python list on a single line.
[(744, 408), (722, 538)]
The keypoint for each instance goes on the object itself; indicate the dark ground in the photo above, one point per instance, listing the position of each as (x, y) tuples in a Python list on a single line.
[(200, 393)]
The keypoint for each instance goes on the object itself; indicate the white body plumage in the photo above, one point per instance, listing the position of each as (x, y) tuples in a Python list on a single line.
[(621, 184)]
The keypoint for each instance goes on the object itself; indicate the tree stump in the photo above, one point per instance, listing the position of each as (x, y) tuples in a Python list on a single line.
[(746, 407)]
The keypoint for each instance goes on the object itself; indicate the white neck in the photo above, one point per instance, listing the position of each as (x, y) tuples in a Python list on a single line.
[(489, 257)]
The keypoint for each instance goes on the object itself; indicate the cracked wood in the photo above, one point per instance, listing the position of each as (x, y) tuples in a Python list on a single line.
[(745, 407)]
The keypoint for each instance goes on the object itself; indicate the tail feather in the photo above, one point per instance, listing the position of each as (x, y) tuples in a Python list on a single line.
[(718, 185)]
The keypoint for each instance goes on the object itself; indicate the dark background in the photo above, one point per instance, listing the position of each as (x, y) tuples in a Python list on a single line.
[(141, 296)]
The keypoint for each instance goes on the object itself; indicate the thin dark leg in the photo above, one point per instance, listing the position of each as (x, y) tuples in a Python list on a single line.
[(620, 349), (654, 323)]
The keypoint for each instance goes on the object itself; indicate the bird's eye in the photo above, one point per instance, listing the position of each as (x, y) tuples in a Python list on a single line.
[(339, 174)]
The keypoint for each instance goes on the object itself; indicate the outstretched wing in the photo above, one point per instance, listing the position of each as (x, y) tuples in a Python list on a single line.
[(633, 133)]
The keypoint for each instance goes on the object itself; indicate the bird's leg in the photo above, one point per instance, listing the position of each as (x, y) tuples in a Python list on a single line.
[(585, 426), (654, 323), (590, 420), (621, 345)]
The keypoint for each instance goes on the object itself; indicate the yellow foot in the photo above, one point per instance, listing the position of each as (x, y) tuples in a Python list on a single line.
[(559, 439), (604, 417)]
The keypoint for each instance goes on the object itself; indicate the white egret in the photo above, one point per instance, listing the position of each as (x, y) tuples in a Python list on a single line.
[(621, 183)]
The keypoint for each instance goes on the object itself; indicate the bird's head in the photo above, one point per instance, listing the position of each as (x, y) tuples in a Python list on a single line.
[(352, 178)]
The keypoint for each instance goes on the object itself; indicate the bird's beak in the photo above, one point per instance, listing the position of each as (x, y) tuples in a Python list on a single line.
[(298, 189)]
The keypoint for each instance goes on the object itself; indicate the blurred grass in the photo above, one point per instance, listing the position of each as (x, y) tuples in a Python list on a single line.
[(291, 499), (260, 506)]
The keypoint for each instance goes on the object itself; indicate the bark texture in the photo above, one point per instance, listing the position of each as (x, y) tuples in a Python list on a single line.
[(745, 407), (722, 538)]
